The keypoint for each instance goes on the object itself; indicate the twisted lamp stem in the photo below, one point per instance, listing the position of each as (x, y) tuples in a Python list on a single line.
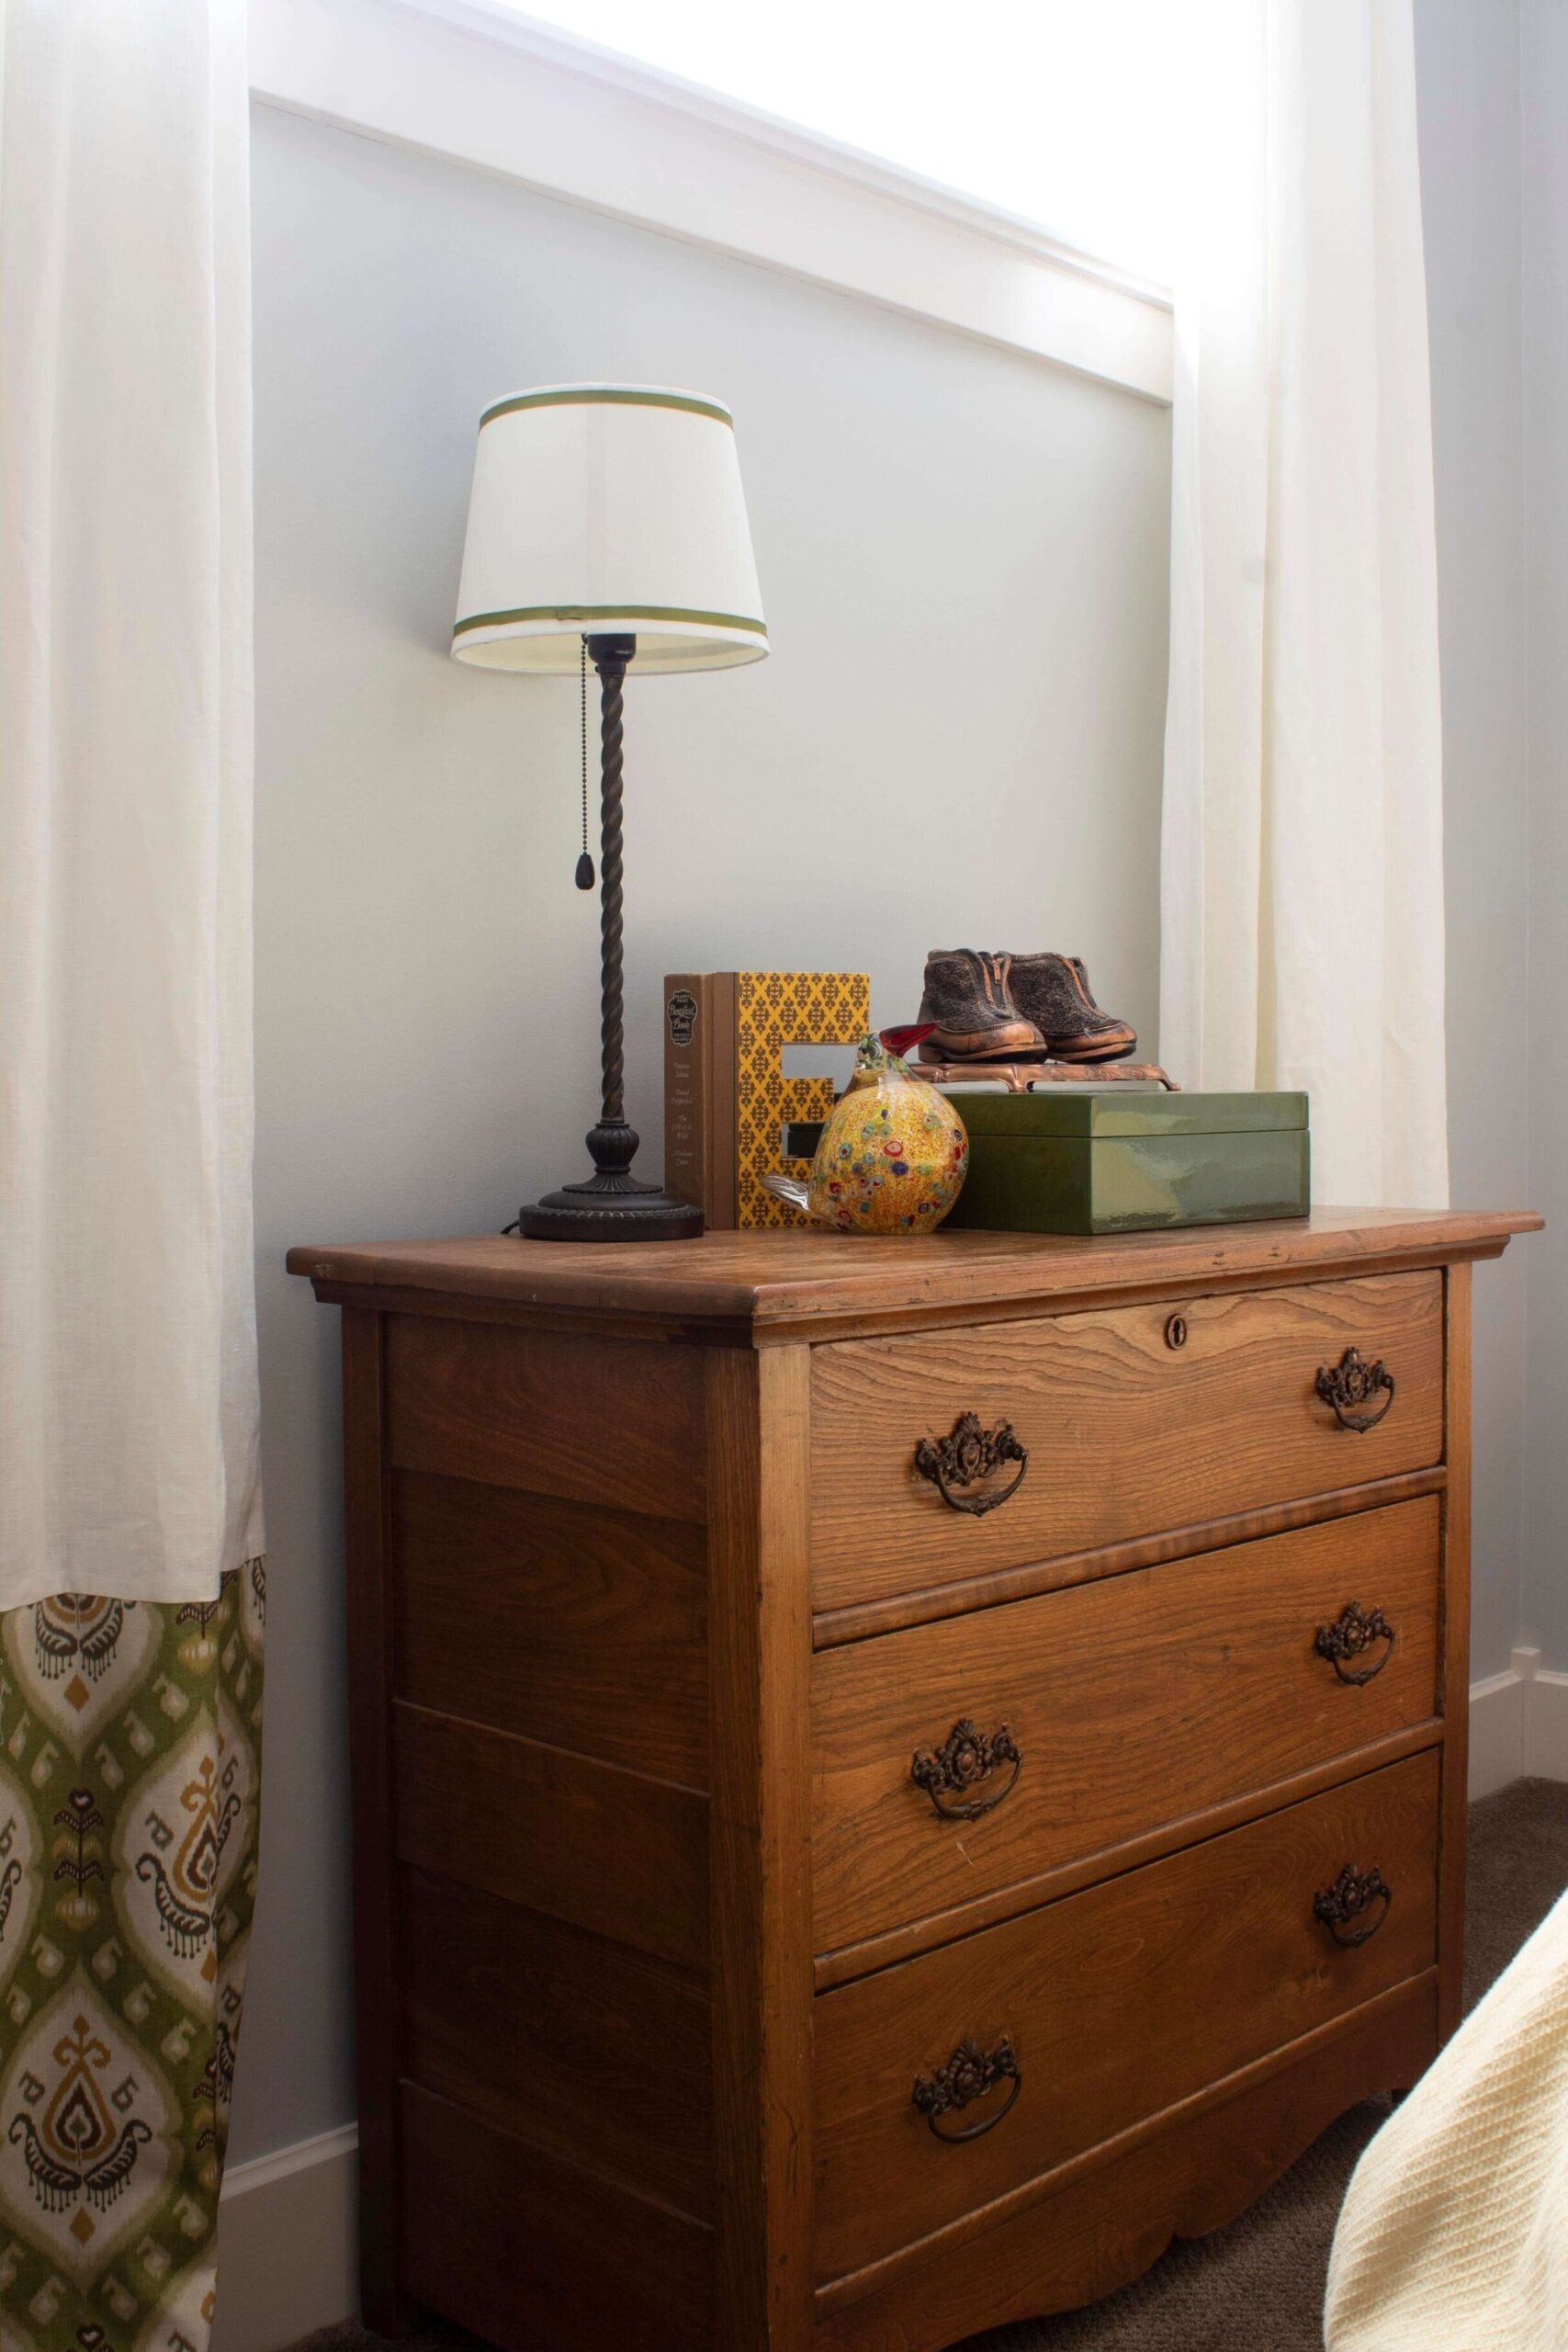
[(611, 1205), (612, 670)]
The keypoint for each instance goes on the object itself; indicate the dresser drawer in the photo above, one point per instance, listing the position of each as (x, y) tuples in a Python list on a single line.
[(1133, 1419), (1107, 1710), (1108, 2007)]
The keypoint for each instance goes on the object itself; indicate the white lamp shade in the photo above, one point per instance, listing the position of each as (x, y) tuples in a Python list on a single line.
[(608, 508)]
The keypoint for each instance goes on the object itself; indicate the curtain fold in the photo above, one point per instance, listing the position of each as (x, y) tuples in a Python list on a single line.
[(1302, 888), (131, 1586), (127, 1381)]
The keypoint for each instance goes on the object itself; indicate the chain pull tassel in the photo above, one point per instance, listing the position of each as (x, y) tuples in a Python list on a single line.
[(585, 874)]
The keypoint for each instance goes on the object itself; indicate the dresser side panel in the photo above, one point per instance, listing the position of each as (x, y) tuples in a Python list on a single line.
[(544, 1495), (529, 2252), (587, 2050), (569, 1622), (607, 1421), (613, 1851)]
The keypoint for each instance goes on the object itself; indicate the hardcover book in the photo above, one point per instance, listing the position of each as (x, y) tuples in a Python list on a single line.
[(727, 1097)]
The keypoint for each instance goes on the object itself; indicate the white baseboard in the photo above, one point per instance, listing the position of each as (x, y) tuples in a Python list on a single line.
[(288, 2245), (1518, 1726)]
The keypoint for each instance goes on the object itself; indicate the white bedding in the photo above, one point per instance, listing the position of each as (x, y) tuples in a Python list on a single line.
[(1454, 2232)]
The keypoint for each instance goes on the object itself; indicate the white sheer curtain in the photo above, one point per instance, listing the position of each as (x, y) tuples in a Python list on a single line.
[(128, 1399), (1302, 886)]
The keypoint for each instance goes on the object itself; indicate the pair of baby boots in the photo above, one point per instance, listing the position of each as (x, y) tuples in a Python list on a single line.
[(994, 1008)]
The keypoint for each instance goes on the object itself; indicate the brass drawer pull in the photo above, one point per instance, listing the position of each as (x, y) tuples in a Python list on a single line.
[(968, 2074), (1353, 1893), (968, 1454), (1350, 1382), (1353, 1631), (965, 1759)]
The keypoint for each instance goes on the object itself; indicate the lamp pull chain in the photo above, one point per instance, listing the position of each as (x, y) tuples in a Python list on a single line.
[(585, 877)]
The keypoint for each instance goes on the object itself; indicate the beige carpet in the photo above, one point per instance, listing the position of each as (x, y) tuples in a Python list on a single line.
[(1257, 2287)]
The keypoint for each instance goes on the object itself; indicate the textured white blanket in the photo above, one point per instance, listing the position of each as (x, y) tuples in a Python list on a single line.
[(1454, 2232)]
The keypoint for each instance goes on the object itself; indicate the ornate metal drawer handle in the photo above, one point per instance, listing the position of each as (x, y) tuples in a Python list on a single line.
[(1350, 1382), (1354, 1631), (968, 1454), (968, 2074), (965, 1759), (1353, 1893)]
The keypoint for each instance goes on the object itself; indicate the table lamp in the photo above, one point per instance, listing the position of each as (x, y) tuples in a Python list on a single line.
[(608, 517)]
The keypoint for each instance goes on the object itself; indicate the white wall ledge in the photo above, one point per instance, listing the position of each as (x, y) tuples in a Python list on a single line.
[(288, 2245), (472, 81)]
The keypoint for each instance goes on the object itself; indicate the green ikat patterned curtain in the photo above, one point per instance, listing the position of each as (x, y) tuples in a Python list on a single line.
[(130, 1765)]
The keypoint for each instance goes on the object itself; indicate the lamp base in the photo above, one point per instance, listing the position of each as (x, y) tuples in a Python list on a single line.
[(611, 1204), (584, 1212)]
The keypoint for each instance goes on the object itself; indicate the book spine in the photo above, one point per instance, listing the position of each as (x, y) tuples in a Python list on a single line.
[(723, 1140), (687, 1034)]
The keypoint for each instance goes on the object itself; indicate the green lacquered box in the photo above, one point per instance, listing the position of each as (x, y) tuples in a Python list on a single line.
[(1105, 1160)]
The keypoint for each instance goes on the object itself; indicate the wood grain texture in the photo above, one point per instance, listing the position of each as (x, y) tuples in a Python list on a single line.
[(590, 2052), (377, 1962), (583, 1627), (1126, 1436), (527, 2252), (800, 1285), (1455, 1633), (599, 2105), (863, 1620), (613, 1424), (1119, 2002), (913, 1937), (567, 1322), (1138, 1701), (760, 1634), (582, 1841), (1104, 2222)]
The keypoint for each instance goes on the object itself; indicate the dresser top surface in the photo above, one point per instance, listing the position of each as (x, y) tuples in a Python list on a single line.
[(778, 1280)]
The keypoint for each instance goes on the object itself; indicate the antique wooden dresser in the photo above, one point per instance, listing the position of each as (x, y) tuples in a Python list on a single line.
[(890, 1777)]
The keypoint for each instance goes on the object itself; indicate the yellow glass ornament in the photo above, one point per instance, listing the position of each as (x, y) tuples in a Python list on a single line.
[(893, 1155)]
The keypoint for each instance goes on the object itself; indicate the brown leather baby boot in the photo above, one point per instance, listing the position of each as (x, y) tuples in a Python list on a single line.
[(966, 995), (1054, 992)]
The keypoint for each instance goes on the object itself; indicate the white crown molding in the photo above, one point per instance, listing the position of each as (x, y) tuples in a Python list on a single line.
[(474, 81), (550, 45)]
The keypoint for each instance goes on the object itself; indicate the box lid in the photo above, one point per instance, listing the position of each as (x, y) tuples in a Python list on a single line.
[(1093, 1112)]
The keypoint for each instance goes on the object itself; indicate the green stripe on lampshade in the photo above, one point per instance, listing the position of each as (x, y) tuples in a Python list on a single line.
[(607, 396), (581, 612)]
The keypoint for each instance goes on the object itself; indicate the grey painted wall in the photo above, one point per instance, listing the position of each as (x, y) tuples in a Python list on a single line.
[(1494, 107), (1544, 81), (958, 737), (1467, 92)]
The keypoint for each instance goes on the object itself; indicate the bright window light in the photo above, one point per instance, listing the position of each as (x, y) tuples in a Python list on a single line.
[(1063, 111)]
